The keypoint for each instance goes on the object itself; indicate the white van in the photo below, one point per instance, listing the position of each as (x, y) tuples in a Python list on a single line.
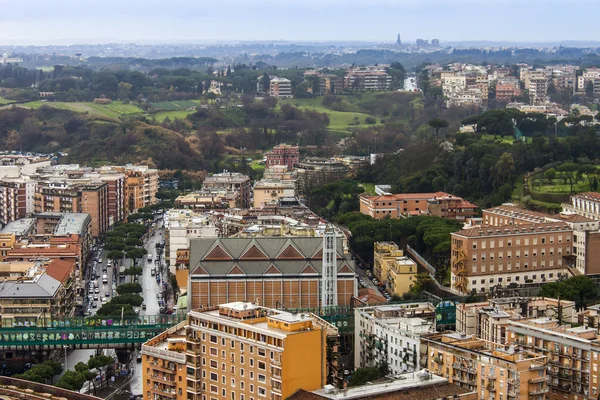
[(149, 257), (105, 279)]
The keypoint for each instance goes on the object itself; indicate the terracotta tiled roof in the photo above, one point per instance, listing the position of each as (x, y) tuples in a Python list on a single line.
[(60, 269), (588, 196), (371, 297)]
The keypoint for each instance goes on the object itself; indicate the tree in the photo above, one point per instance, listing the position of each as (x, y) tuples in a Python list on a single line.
[(84, 370), (101, 361), (129, 288), (363, 375), (503, 171), (115, 255), (577, 288), (71, 380), (569, 172), (590, 173), (136, 253), (438, 124), (133, 271), (550, 174), (123, 90), (42, 373), (128, 298)]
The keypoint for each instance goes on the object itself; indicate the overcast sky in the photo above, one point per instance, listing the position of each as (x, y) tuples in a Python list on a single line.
[(85, 21)]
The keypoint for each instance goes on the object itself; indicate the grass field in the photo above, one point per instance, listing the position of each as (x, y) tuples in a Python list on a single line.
[(181, 114), (369, 188), (501, 139), (338, 120), (111, 111), (5, 101)]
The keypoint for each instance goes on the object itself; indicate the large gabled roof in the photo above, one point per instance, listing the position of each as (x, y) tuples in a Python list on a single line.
[(289, 255)]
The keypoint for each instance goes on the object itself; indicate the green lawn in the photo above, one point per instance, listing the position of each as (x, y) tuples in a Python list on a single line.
[(501, 139), (562, 188), (112, 111), (257, 165), (338, 120), (369, 188), (181, 114), (5, 101)]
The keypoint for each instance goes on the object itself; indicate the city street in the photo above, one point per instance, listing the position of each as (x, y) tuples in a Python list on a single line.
[(151, 289)]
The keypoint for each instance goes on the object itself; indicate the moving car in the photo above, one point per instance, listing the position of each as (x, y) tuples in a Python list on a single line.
[(105, 279), (106, 294), (143, 306)]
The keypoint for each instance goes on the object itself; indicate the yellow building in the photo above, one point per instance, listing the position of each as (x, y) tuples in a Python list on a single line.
[(7, 243), (164, 365), (401, 275), (496, 372), (384, 252), (239, 351), (391, 267)]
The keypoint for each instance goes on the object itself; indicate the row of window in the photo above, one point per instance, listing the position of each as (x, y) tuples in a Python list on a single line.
[(525, 241), (534, 264), (509, 279), (534, 253)]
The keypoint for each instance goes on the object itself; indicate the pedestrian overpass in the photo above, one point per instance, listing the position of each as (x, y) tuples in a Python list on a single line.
[(90, 332), (126, 332)]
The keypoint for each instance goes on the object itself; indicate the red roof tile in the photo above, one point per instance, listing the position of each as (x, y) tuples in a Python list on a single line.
[(60, 269)]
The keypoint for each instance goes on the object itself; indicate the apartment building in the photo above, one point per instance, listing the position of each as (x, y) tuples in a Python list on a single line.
[(116, 184), (16, 198), (182, 226), (538, 89), (243, 351), (588, 75), (141, 185), (64, 197), (283, 154), (396, 271), (328, 83), (494, 371), (438, 204), (164, 365), (41, 291), (269, 191), (370, 78), (209, 199), (314, 172), (506, 90), (572, 354), (486, 256), (280, 88), (232, 182), (17, 165), (489, 320), (392, 334), (274, 271), (586, 233)]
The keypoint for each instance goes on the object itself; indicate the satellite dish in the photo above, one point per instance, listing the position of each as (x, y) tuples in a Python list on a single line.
[(245, 306)]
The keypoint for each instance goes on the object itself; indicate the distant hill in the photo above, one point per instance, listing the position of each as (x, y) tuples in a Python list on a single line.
[(49, 129)]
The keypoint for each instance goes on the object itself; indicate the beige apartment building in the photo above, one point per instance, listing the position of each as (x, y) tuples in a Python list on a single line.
[(494, 371), (280, 88), (231, 182), (396, 271), (572, 354), (269, 191), (577, 215), (489, 320), (242, 351), (486, 256)]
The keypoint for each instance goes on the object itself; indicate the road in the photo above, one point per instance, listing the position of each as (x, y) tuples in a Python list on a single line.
[(151, 290), (150, 293)]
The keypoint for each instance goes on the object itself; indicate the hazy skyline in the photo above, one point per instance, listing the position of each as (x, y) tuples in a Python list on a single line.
[(85, 21)]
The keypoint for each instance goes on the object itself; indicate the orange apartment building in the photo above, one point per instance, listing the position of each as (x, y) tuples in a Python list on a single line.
[(238, 351), (572, 352), (438, 204), (274, 271), (164, 365), (494, 371), (487, 256)]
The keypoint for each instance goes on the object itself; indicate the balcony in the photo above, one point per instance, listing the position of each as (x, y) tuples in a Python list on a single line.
[(539, 379), (162, 368), (168, 355), (512, 393), (538, 391)]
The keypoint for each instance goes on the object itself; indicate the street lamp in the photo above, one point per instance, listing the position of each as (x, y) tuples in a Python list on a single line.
[(65, 347)]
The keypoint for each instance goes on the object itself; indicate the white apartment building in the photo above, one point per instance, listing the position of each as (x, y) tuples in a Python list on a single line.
[(183, 225), (585, 204), (280, 88), (590, 74), (391, 333)]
